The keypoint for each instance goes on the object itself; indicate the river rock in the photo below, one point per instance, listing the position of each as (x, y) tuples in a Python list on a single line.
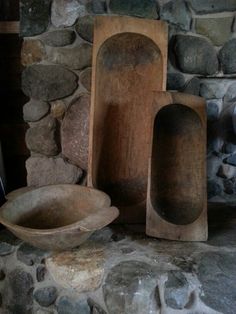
[(131, 287), (175, 81), (46, 296), (42, 137), (34, 110), (65, 12), (59, 38), (176, 290), (32, 51), (42, 171), (227, 57), (34, 17), (76, 58), (186, 49), (176, 12), (75, 130), (68, 305), (48, 82), (84, 27), (81, 269)]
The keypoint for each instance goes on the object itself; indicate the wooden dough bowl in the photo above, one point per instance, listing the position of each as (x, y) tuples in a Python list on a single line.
[(129, 63), (57, 217), (176, 200)]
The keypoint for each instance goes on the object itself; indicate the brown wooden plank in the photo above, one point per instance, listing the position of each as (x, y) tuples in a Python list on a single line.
[(129, 63), (176, 199), (9, 27)]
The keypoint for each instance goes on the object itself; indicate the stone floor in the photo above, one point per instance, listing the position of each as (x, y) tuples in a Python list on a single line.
[(120, 270)]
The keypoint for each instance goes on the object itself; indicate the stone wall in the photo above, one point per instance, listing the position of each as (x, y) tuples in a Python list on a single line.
[(57, 52)]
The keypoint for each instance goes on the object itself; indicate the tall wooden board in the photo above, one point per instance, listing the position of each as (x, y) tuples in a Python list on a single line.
[(129, 63)]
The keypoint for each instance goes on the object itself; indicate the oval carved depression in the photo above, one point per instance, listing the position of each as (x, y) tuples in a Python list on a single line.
[(129, 68), (177, 165)]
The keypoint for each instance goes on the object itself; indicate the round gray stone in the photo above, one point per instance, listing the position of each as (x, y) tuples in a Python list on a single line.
[(46, 296), (35, 17), (42, 171), (76, 58), (48, 82), (140, 8), (195, 55), (227, 57), (176, 12), (127, 280), (59, 38), (34, 110), (176, 290), (84, 27), (67, 305), (65, 13), (42, 138)]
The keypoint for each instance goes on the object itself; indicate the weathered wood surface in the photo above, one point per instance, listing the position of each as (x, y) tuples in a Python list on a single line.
[(57, 217), (9, 27), (176, 200), (129, 63)]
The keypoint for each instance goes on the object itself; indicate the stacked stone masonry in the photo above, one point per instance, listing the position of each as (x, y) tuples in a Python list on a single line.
[(57, 53)]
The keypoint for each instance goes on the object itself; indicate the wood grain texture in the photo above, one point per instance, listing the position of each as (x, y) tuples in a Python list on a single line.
[(176, 199), (129, 63), (9, 27)]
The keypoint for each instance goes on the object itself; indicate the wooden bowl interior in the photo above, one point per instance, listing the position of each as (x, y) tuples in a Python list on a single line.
[(53, 206), (177, 165)]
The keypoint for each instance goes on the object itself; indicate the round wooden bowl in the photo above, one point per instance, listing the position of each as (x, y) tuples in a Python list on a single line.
[(57, 217)]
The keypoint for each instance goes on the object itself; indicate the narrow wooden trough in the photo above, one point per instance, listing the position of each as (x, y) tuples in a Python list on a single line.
[(176, 200), (129, 63)]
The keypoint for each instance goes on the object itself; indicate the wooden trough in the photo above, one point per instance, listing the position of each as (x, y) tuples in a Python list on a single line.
[(176, 200), (129, 63)]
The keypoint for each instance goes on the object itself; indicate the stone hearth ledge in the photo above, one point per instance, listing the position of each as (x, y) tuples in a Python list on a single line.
[(120, 270)]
